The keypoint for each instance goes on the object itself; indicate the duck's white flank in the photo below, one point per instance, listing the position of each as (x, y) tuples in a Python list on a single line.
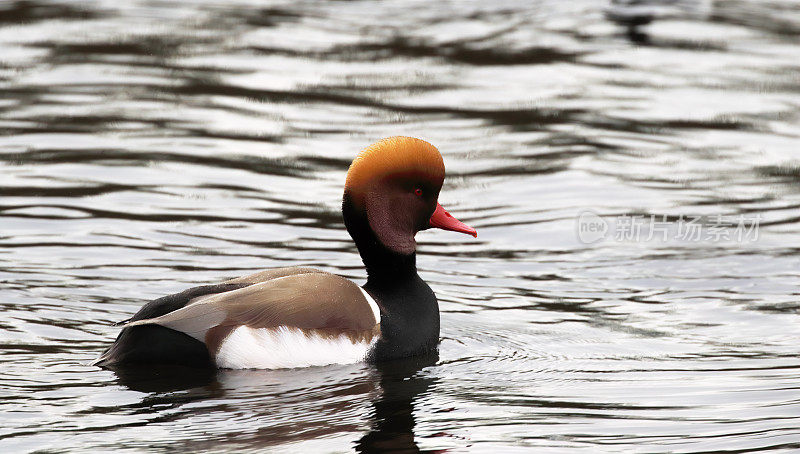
[(286, 347), (372, 305)]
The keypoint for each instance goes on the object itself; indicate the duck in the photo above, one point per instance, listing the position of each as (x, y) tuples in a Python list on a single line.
[(299, 316)]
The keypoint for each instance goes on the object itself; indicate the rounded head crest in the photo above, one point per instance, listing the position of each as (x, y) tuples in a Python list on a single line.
[(395, 156)]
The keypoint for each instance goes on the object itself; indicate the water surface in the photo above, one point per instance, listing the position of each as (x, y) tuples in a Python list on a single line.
[(146, 147)]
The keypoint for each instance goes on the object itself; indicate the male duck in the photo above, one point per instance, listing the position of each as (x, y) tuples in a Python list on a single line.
[(296, 316)]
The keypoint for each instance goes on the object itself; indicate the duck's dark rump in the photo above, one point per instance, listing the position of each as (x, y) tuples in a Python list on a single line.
[(154, 344)]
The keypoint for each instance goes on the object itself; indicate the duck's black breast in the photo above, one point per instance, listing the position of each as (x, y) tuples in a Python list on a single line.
[(409, 318), (154, 344)]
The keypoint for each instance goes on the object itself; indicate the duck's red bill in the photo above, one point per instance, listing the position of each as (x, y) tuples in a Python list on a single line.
[(441, 219)]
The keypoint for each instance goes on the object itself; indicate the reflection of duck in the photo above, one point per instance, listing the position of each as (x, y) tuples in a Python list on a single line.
[(279, 403), (294, 317), (164, 378), (633, 14), (393, 426), (272, 408)]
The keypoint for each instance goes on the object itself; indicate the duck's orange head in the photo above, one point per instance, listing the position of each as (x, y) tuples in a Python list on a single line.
[(394, 184)]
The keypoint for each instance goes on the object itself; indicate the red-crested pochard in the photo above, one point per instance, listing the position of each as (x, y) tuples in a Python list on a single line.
[(297, 317)]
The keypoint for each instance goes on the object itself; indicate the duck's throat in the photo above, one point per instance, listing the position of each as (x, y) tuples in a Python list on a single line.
[(386, 268), (383, 264)]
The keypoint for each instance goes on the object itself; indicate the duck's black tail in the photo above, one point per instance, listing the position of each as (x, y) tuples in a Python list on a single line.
[(155, 344)]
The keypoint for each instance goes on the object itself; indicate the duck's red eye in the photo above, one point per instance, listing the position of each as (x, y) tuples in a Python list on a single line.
[(418, 191)]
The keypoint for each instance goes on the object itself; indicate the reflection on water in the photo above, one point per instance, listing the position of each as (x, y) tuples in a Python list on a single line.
[(393, 426), (147, 147), (391, 387), (163, 378)]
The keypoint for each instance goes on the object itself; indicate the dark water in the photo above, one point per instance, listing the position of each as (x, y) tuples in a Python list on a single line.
[(146, 147)]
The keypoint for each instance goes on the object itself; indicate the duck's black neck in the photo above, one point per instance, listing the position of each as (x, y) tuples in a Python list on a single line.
[(409, 310), (384, 266)]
